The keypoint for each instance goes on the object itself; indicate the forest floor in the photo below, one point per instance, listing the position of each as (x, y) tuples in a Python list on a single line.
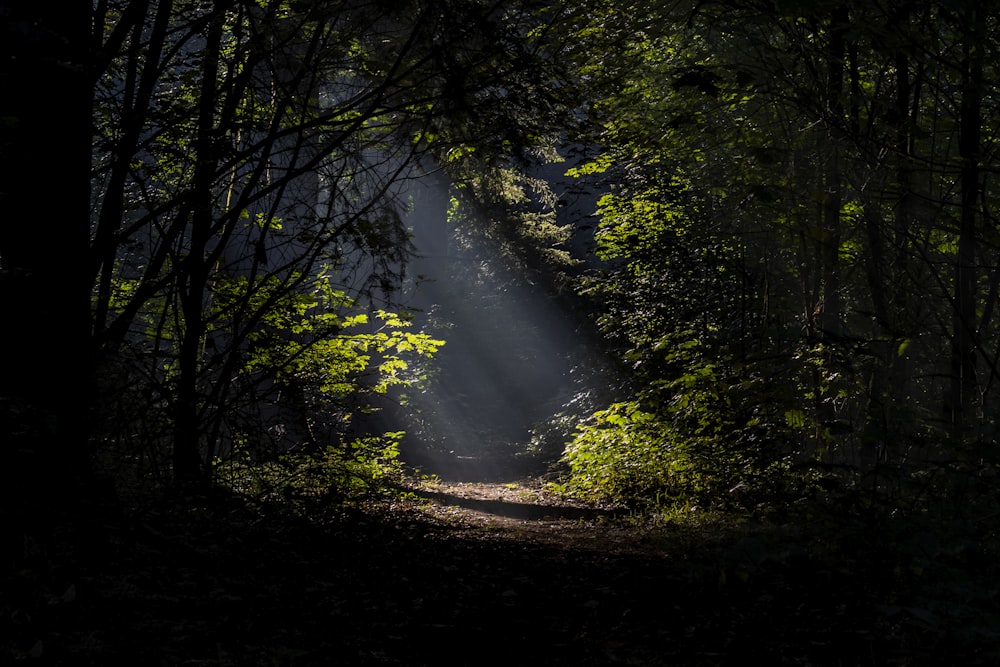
[(476, 573)]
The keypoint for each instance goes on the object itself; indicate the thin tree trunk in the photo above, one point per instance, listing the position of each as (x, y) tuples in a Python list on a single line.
[(886, 240), (828, 320), (135, 106), (188, 464), (963, 362), (833, 181)]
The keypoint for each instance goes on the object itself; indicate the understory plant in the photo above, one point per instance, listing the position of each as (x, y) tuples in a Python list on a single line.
[(311, 481), (703, 437)]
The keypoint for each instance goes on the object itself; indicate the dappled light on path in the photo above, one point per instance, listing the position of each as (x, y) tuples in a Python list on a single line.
[(528, 500), (513, 509)]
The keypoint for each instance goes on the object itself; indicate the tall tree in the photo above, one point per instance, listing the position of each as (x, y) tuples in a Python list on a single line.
[(963, 399), (830, 165), (45, 361), (263, 145)]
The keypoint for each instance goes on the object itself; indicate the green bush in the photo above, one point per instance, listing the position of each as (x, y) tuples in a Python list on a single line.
[(355, 471), (700, 438), (624, 453)]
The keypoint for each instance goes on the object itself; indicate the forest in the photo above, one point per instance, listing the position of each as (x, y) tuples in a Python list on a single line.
[(422, 332)]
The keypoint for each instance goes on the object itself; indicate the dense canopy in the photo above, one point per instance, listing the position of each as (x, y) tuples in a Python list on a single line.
[(732, 255)]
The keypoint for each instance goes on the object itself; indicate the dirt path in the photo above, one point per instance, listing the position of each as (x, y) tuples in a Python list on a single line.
[(455, 573), (526, 511)]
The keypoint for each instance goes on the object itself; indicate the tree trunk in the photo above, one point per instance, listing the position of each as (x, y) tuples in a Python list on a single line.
[(140, 84), (45, 350), (189, 467), (964, 384), (887, 265), (828, 320)]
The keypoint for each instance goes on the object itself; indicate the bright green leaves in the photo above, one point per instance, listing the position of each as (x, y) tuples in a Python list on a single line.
[(459, 153), (307, 482), (703, 427), (390, 348), (633, 225), (262, 220), (623, 453), (598, 165), (318, 337), (238, 147), (795, 419)]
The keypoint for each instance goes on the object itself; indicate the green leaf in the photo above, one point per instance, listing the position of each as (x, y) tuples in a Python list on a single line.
[(795, 418)]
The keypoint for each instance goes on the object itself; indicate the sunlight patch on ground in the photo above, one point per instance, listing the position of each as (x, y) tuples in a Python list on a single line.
[(529, 513)]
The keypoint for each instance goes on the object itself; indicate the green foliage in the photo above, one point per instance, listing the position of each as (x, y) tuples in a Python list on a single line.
[(624, 454), (317, 338), (301, 346), (311, 482), (704, 436), (327, 358), (781, 263), (249, 162)]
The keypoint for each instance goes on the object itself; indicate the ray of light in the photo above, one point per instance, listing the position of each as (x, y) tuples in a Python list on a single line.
[(511, 354)]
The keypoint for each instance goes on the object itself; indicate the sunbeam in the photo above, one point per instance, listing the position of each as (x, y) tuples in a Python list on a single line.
[(510, 354)]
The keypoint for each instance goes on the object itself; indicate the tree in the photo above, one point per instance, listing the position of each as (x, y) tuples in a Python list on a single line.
[(251, 156), (798, 196), (45, 372)]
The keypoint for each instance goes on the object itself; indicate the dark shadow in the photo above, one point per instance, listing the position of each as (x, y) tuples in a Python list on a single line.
[(524, 511)]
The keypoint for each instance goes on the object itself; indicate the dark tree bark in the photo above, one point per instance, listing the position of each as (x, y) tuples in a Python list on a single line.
[(829, 321), (139, 85), (187, 458), (964, 387), (45, 355)]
